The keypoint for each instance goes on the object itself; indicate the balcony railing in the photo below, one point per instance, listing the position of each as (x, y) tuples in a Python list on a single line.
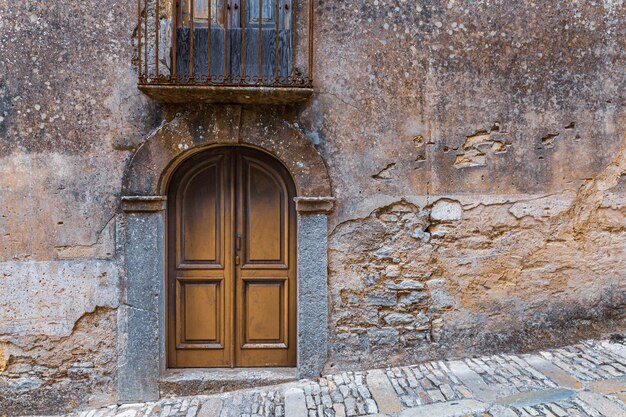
[(225, 50)]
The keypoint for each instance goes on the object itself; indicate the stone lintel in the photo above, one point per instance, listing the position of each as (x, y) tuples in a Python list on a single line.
[(315, 204), (143, 203)]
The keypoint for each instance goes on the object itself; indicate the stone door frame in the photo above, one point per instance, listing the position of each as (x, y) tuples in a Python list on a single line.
[(141, 316)]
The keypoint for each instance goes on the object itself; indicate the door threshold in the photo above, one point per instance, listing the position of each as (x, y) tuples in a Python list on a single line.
[(206, 381)]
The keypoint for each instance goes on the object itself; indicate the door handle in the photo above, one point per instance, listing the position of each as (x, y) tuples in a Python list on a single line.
[(238, 242)]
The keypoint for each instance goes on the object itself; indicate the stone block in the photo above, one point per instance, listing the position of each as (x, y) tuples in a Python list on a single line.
[(392, 271), (371, 279), (350, 342), (414, 297), (397, 319), (440, 299), (446, 210), (381, 298), (26, 384), (384, 336), (404, 285), (414, 337)]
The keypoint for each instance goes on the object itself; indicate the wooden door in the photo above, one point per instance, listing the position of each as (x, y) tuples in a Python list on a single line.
[(231, 290)]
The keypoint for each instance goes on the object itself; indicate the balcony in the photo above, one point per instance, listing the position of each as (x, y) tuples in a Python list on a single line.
[(225, 51)]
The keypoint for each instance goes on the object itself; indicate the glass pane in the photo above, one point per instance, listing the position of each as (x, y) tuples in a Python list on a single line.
[(252, 9), (201, 12)]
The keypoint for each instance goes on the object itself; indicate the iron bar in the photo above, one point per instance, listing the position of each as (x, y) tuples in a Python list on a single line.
[(260, 80), (145, 49), (294, 29), (156, 40), (226, 35), (277, 17), (242, 20), (311, 29), (208, 36), (174, 40), (139, 41), (191, 37)]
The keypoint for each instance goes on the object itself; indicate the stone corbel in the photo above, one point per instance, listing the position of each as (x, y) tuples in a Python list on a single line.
[(315, 204), (133, 204)]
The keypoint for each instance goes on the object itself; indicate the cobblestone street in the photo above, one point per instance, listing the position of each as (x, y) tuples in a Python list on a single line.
[(587, 379)]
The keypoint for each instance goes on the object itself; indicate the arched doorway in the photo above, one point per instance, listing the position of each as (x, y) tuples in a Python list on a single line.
[(142, 336), (231, 261)]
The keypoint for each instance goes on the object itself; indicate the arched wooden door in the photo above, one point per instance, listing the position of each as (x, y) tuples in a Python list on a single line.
[(231, 284)]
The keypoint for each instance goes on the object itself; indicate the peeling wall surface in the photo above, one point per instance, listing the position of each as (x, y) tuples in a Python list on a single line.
[(476, 149)]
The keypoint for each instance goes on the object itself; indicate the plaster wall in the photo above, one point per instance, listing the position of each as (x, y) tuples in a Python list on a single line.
[(476, 149)]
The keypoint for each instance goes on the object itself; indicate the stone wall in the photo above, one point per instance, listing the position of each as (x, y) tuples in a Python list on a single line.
[(477, 151)]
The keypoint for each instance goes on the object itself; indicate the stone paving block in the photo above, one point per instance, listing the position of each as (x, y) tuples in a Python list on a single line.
[(553, 372), (616, 348), (545, 411), (383, 392), (527, 399), (499, 411), (557, 410), (295, 403), (603, 404), (340, 410), (472, 381), (609, 386), (587, 408), (450, 409)]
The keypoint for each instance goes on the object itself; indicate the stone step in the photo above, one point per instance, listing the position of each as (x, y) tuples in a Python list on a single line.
[(189, 382)]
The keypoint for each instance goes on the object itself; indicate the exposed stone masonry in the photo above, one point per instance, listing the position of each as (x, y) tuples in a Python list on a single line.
[(385, 297)]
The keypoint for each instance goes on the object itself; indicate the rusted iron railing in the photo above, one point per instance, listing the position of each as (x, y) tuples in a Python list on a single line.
[(266, 43)]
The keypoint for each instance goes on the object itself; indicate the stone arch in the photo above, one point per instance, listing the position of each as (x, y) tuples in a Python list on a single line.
[(184, 135)]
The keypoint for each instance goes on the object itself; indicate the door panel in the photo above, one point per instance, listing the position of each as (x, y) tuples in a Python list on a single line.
[(199, 315), (264, 304), (266, 210), (231, 288), (201, 202)]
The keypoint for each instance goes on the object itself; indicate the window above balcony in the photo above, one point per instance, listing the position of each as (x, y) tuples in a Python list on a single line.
[(225, 51)]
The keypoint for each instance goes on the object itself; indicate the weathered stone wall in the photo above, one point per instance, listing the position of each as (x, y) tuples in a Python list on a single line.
[(477, 150)]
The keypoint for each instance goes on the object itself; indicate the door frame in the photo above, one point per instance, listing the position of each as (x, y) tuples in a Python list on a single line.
[(141, 317)]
